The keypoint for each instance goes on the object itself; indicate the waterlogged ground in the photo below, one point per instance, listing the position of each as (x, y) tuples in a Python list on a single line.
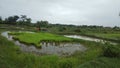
[(60, 49), (90, 39), (83, 37), (114, 36)]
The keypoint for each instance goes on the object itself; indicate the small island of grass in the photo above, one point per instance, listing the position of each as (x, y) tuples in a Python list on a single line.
[(37, 38)]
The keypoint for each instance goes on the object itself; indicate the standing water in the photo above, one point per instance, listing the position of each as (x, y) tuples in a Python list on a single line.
[(89, 39), (60, 49), (83, 37)]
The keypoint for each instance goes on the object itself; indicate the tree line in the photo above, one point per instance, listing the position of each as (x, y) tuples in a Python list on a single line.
[(16, 20), (23, 20)]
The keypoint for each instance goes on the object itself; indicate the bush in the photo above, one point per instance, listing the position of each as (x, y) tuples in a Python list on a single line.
[(67, 63), (111, 50)]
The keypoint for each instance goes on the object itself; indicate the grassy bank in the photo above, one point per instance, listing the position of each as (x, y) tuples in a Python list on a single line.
[(114, 37), (109, 36)]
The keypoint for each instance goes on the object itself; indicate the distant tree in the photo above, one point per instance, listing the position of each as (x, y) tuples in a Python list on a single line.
[(38, 24), (1, 20), (15, 18), (62, 28), (42, 23), (28, 21), (11, 19), (77, 30), (84, 26), (23, 18), (116, 28)]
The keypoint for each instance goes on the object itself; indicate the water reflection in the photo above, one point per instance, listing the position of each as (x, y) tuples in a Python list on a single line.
[(89, 39), (48, 48)]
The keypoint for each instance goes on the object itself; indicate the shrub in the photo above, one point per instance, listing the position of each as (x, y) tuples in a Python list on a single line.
[(110, 50), (67, 63)]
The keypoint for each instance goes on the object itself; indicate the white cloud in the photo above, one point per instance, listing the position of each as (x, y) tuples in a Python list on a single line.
[(79, 12)]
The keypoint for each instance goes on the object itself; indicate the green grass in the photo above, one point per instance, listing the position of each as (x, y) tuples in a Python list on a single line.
[(36, 38), (109, 36), (115, 37), (102, 62), (12, 57)]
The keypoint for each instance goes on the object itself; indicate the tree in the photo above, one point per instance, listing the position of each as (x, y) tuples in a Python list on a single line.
[(24, 20), (62, 28), (11, 19), (15, 18), (116, 28), (28, 21), (77, 30), (42, 23), (38, 24), (0, 19)]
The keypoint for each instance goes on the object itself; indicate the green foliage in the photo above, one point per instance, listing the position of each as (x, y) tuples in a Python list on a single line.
[(24, 20), (102, 62), (12, 57), (109, 36), (111, 50), (12, 19), (17, 20), (62, 29), (36, 38), (67, 63), (1, 20), (42, 24), (77, 30)]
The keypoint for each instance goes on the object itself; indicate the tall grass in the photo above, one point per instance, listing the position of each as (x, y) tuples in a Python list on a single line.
[(111, 50), (102, 62), (115, 37), (12, 57)]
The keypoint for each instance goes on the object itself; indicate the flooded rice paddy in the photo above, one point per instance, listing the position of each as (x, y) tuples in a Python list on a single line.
[(60, 49)]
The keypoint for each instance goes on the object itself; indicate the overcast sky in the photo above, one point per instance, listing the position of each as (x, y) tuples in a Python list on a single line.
[(78, 12)]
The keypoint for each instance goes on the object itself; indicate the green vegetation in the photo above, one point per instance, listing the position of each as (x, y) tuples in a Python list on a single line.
[(107, 36), (102, 62), (12, 57), (97, 55), (36, 38), (111, 50)]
